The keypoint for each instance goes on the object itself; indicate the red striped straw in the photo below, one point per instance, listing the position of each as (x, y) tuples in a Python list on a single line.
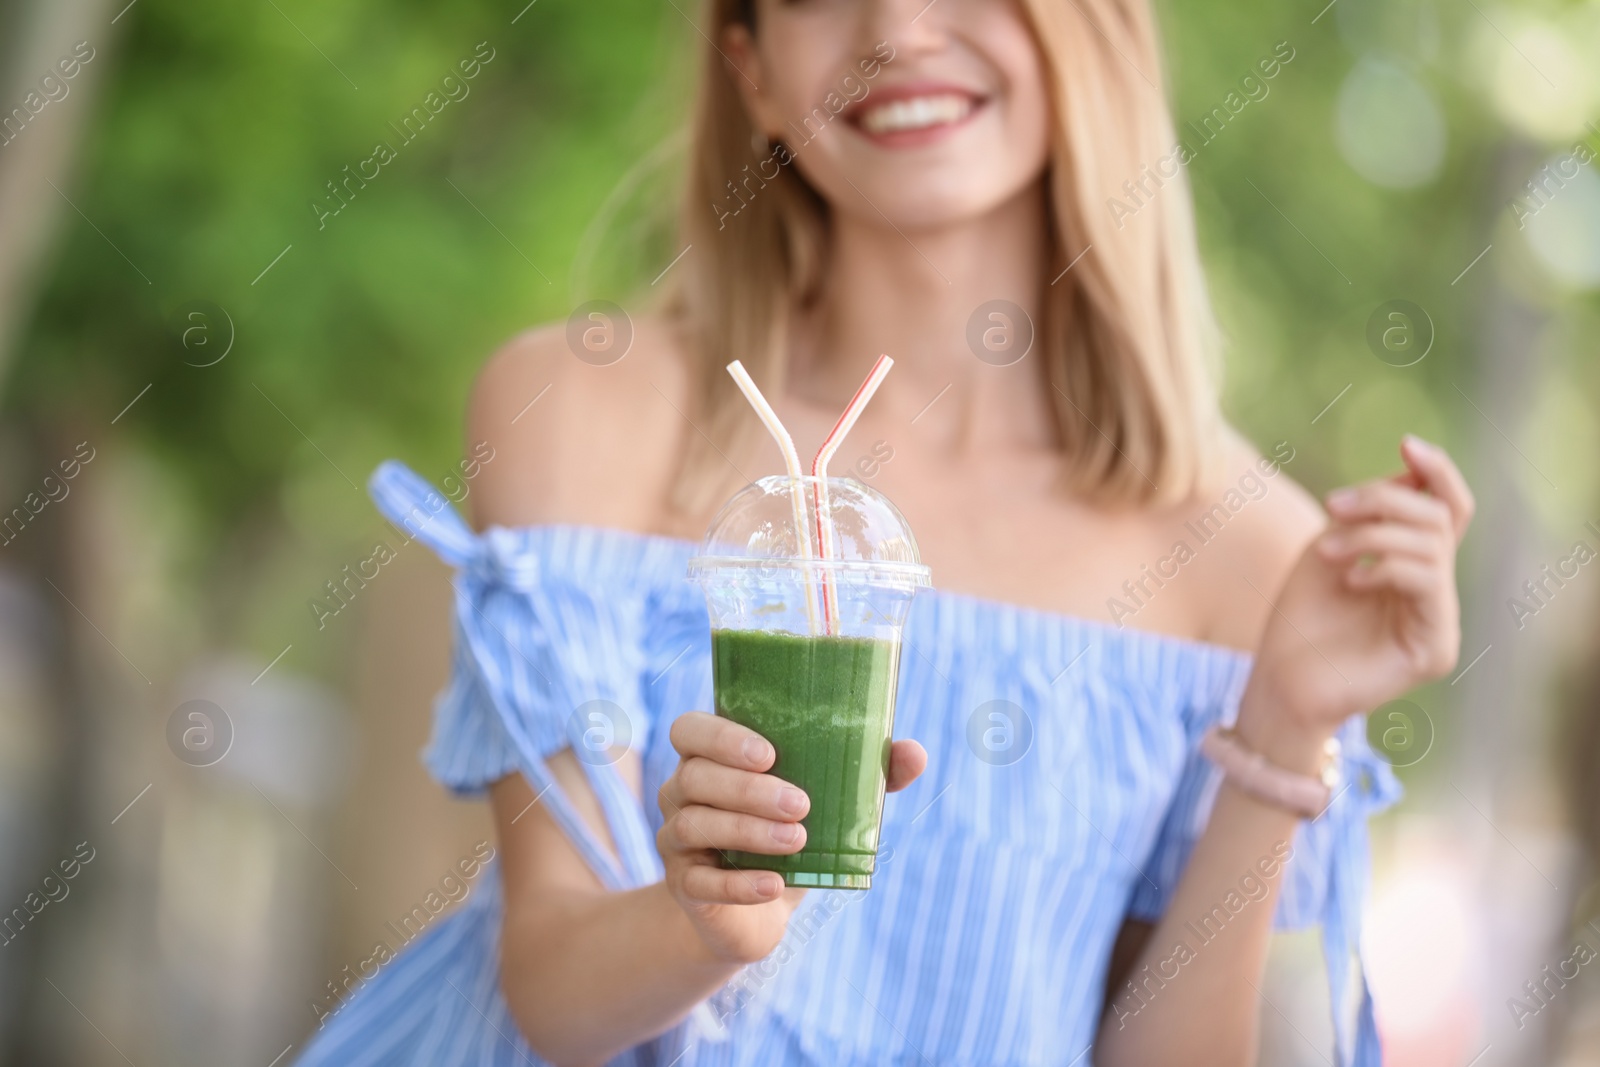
[(819, 471)]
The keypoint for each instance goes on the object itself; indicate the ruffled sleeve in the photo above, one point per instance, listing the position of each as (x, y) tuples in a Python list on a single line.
[(549, 655), (563, 647), (468, 748), (1325, 878)]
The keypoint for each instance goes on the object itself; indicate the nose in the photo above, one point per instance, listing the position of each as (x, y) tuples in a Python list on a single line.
[(911, 27)]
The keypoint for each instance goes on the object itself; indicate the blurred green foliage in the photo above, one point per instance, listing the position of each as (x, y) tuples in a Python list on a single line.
[(222, 125)]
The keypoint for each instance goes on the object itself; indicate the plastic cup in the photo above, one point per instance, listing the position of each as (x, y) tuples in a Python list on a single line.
[(821, 690)]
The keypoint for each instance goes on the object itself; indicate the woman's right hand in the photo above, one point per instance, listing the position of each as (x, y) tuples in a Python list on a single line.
[(721, 798)]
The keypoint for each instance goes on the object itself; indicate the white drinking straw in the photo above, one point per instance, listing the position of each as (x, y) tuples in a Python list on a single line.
[(819, 471), (791, 460)]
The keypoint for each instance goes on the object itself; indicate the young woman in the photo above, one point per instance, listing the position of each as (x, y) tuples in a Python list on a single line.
[(1112, 561)]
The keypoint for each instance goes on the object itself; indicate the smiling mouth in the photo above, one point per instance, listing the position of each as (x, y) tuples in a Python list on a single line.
[(912, 114)]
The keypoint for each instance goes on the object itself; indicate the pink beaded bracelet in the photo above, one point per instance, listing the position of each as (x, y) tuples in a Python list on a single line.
[(1300, 794)]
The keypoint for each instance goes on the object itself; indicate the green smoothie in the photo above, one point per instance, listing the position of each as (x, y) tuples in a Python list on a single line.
[(827, 706)]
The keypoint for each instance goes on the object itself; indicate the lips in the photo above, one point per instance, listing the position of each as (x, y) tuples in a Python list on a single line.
[(905, 115)]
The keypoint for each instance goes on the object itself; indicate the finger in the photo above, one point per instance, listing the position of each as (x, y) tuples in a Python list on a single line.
[(907, 760), (1387, 500), (695, 826), (1379, 538), (1439, 474), (705, 884), (695, 733), (1400, 574), (704, 781)]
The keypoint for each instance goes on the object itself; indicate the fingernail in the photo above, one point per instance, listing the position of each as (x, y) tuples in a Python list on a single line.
[(793, 801), (1341, 499), (757, 750), (785, 833)]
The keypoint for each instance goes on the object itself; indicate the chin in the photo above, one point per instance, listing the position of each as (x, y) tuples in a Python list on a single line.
[(919, 199), (964, 173)]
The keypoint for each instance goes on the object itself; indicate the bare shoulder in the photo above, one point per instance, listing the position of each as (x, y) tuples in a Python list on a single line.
[(1269, 520), (579, 440)]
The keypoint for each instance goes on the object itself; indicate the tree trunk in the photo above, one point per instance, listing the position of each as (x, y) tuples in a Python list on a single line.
[(34, 36)]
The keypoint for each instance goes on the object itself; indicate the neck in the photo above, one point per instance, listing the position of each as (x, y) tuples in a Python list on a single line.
[(913, 294)]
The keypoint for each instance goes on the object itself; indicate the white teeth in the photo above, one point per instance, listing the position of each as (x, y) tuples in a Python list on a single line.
[(916, 113)]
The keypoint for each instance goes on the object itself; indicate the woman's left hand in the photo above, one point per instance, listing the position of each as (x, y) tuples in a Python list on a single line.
[(1370, 611)]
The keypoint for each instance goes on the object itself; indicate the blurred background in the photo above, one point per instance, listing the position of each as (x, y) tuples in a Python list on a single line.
[(211, 807)]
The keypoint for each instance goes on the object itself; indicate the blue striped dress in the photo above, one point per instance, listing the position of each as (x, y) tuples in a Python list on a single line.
[(1007, 869)]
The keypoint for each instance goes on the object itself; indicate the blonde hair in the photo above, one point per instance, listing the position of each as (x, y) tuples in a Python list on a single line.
[(1127, 333)]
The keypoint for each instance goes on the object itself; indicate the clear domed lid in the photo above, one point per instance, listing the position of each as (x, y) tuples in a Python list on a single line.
[(774, 523)]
